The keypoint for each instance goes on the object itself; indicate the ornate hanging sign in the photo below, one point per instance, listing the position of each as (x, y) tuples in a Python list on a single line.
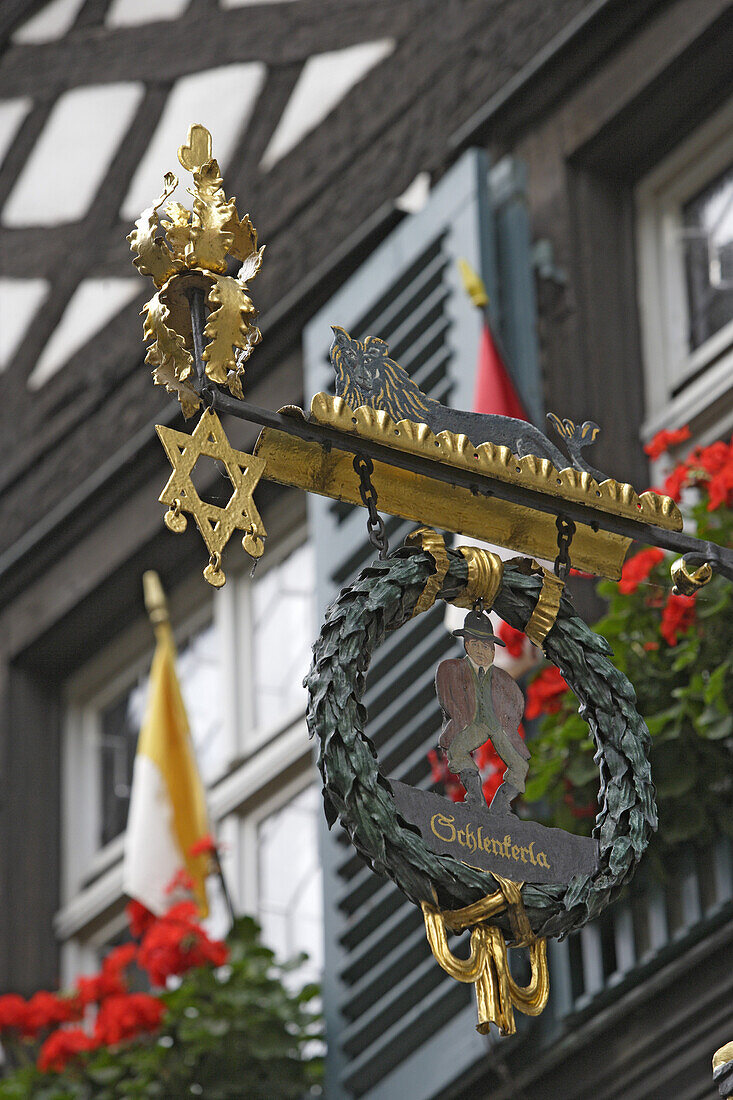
[(383, 443)]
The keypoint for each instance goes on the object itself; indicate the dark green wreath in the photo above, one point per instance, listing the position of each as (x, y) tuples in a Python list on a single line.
[(354, 790)]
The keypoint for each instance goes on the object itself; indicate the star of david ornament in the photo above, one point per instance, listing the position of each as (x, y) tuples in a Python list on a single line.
[(216, 524)]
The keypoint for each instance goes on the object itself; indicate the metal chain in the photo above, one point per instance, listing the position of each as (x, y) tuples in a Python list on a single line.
[(565, 532), (375, 524)]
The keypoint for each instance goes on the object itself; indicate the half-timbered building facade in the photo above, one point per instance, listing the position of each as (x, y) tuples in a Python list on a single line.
[(579, 153)]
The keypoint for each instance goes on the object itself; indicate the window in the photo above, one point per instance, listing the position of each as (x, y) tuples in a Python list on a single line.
[(282, 626), (685, 220), (290, 881), (241, 661)]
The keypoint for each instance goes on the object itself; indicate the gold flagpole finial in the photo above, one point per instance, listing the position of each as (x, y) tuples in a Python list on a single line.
[(156, 604), (473, 284)]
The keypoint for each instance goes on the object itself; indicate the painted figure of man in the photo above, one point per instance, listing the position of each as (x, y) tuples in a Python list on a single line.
[(481, 703)]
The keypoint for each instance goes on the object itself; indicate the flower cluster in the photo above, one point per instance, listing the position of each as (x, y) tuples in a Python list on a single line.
[(677, 617), (675, 649), (637, 569), (127, 1015), (513, 639), (177, 943), (665, 439), (546, 693), (169, 945), (709, 469), (42, 1011), (62, 1047)]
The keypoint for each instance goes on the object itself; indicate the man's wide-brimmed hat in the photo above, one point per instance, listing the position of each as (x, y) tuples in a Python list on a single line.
[(478, 626)]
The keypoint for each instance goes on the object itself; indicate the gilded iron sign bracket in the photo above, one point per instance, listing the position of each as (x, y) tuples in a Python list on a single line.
[(478, 484)]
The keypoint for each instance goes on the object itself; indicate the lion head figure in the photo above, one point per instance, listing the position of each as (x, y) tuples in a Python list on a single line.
[(365, 375)]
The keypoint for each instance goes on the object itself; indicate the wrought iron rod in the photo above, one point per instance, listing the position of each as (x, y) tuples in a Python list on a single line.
[(480, 484), (720, 558), (196, 304)]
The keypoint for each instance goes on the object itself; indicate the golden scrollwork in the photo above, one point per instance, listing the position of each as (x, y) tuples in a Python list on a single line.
[(687, 582), (485, 571), (487, 967), (544, 615), (216, 524), (434, 545), (190, 250)]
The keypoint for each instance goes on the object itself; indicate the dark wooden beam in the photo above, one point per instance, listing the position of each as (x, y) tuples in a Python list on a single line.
[(15, 12), (276, 34)]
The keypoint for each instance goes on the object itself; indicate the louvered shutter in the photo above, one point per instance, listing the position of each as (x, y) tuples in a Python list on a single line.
[(395, 1021)]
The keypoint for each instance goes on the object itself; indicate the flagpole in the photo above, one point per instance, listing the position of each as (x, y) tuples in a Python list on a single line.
[(156, 606)]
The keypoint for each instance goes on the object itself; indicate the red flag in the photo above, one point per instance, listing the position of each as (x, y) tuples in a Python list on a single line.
[(494, 391)]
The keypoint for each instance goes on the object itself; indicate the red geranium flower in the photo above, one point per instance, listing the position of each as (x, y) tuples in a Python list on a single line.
[(181, 881), (441, 773), (545, 693), (638, 568), (124, 1017), (677, 617), (176, 943), (61, 1047), (491, 785), (48, 1010), (139, 918), (664, 440), (94, 989), (109, 982), (720, 488), (120, 958), (675, 482), (12, 1012), (206, 846), (513, 639), (711, 459)]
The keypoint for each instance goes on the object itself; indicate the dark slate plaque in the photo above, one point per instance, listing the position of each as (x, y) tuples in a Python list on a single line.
[(522, 851)]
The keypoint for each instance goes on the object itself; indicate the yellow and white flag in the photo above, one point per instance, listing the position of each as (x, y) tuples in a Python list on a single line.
[(167, 812)]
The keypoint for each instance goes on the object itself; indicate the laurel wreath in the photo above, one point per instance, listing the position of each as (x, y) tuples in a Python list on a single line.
[(381, 600)]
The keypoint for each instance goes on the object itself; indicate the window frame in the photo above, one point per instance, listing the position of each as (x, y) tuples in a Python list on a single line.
[(680, 385), (265, 767)]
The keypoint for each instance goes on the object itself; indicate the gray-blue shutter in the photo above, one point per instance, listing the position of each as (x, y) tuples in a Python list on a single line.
[(394, 1020)]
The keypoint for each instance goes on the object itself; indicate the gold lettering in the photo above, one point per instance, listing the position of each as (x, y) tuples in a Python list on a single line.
[(444, 822), (470, 839), (515, 852), (522, 851), (479, 841), (461, 837), (542, 860), (507, 842), (531, 854), (495, 845)]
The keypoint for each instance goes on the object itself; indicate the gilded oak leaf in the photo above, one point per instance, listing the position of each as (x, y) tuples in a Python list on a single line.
[(171, 361), (178, 227), (154, 257), (229, 326), (211, 238), (245, 237)]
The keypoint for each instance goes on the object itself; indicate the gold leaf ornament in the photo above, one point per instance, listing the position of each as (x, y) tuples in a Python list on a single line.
[(211, 237), (197, 149), (172, 363), (154, 257), (230, 326), (192, 253)]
